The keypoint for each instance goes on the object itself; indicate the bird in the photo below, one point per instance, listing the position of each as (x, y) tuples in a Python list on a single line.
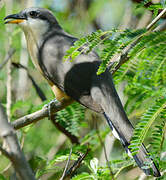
[(76, 80)]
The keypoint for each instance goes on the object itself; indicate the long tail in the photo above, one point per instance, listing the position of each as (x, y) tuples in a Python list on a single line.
[(103, 93), (141, 158)]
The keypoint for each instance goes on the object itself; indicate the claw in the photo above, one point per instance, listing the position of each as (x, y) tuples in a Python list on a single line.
[(49, 107)]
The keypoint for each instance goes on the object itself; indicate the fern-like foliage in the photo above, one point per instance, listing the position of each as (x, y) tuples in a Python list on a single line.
[(145, 71), (145, 124), (70, 117), (116, 45), (110, 43), (87, 44), (158, 135)]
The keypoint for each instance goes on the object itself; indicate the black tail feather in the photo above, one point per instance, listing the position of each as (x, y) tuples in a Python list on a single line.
[(141, 158)]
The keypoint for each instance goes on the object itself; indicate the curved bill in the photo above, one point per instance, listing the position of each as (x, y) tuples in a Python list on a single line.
[(14, 19)]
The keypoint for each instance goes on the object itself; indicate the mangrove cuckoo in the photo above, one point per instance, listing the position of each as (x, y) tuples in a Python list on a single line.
[(77, 80)]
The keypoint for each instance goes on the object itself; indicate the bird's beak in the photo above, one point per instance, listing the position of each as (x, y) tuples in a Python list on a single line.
[(14, 19)]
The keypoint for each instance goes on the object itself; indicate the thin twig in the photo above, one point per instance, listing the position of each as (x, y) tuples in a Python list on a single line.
[(105, 153), (4, 152), (66, 167), (6, 168), (9, 89), (121, 169), (123, 57), (72, 138), (77, 163), (37, 88), (8, 56), (156, 19), (9, 7)]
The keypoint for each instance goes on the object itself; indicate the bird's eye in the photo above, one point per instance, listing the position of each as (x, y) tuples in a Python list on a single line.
[(33, 14)]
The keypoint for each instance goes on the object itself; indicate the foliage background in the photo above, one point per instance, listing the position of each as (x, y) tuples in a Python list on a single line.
[(140, 83)]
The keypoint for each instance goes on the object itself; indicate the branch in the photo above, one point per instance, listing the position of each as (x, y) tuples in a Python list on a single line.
[(13, 152), (8, 56), (4, 152), (156, 19), (38, 115), (66, 167), (9, 90), (76, 164), (37, 88), (123, 57), (72, 138), (8, 84)]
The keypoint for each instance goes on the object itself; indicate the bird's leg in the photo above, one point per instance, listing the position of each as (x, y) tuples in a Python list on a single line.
[(61, 97), (49, 107), (56, 102)]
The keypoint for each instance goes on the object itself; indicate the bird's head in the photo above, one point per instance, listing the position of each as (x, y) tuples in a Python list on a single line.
[(36, 20)]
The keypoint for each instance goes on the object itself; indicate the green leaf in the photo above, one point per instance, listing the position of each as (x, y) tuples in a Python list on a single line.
[(83, 176), (2, 177), (145, 124)]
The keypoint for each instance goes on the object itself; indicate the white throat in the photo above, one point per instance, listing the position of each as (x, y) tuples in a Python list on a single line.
[(34, 29)]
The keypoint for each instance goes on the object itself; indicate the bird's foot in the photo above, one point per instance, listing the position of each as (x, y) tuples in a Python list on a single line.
[(49, 107)]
